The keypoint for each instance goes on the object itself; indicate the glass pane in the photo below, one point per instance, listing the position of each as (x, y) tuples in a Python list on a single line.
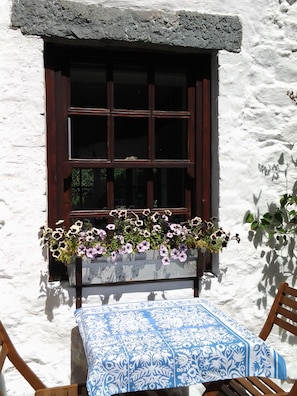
[(88, 189), (130, 89), (169, 188), (131, 138), (88, 137), (88, 87), (171, 91), (129, 188), (171, 138)]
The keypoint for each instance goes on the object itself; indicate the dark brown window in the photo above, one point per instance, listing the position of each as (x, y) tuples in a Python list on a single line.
[(126, 130)]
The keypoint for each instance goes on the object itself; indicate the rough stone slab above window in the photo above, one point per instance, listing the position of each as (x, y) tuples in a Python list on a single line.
[(63, 19)]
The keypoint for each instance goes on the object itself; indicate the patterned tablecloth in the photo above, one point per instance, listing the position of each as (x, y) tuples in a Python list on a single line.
[(168, 344)]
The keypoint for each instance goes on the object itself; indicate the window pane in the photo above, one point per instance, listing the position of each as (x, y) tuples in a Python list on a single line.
[(171, 138), (88, 87), (88, 189), (88, 137), (129, 188), (131, 137), (130, 89), (171, 91), (169, 188)]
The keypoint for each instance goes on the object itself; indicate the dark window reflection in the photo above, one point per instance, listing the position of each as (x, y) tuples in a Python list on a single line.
[(171, 138), (88, 87), (171, 91), (169, 188), (88, 189), (131, 138), (130, 188), (88, 137), (130, 89)]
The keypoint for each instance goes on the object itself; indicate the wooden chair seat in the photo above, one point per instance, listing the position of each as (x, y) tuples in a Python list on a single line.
[(283, 313), (8, 351)]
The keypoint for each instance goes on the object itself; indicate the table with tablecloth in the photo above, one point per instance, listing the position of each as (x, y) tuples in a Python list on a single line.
[(166, 344)]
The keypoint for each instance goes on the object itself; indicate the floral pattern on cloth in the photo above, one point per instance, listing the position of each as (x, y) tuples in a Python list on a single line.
[(167, 344)]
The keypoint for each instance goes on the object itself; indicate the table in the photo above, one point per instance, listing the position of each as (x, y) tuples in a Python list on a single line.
[(166, 344)]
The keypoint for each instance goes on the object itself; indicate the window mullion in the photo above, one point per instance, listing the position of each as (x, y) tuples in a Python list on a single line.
[(110, 122), (151, 124), (110, 139)]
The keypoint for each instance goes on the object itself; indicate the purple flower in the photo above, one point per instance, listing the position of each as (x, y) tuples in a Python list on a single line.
[(183, 248), (128, 248), (169, 235), (176, 228), (143, 246), (163, 251), (110, 227), (99, 232), (165, 260), (99, 250), (81, 250), (182, 257), (174, 254), (146, 245)]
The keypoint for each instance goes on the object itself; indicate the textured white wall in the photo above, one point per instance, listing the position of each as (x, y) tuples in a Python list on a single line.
[(257, 123)]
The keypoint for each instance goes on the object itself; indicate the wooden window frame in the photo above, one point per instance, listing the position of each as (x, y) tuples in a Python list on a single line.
[(57, 112)]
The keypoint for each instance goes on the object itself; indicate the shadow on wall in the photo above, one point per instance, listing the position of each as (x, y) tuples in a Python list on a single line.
[(54, 295), (274, 232), (59, 293)]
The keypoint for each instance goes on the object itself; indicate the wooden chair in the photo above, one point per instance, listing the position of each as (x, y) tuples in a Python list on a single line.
[(8, 351), (283, 314)]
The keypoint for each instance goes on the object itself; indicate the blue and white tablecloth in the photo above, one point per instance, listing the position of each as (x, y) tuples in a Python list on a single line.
[(168, 344)]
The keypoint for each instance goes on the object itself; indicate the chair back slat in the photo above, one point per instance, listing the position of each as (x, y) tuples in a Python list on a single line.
[(283, 312), (288, 317), (17, 361), (286, 326), (289, 302), (291, 290)]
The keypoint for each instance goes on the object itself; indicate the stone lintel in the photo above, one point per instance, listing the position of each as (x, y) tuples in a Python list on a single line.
[(72, 20)]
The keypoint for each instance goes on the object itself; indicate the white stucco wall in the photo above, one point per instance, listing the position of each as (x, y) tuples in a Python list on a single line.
[(257, 123)]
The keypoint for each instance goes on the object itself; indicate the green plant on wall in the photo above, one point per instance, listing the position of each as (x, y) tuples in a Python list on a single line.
[(278, 222)]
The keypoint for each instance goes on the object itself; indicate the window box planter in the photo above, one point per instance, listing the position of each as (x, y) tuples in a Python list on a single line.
[(134, 267)]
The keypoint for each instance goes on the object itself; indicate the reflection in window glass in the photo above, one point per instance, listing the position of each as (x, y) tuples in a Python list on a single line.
[(169, 188), (88, 137), (130, 89), (131, 139), (171, 91), (129, 188), (88, 87), (171, 138), (88, 190)]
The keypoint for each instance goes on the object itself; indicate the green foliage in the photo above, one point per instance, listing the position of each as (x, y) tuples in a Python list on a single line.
[(280, 220)]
